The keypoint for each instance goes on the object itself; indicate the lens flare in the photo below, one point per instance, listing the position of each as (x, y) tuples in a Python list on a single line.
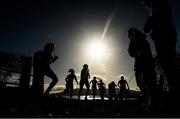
[(97, 50)]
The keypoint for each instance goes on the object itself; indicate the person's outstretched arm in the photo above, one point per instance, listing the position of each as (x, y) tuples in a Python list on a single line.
[(89, 74), (118, 84), (66, 78), (148, 25), (90, 82), (127, 85), (76, 80), (54, 59)]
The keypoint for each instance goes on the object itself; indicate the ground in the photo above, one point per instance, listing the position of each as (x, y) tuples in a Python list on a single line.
[(56, 105)]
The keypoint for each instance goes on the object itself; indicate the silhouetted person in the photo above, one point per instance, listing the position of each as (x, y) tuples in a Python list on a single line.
[(144, 66), (163, 33), (161, 76), (69, 82), (84, 80), (102, 89), (94, 86), (112, 90), (161, 84), (41, 67), (122, 83)]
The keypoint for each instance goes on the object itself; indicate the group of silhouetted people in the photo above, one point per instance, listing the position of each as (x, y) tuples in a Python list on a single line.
[(84, 80), (122, 84), (160, 27), (124, 89), (41, 68), (85, 76)]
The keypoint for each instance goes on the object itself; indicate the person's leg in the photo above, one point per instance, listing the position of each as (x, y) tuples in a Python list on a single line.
[(54, 78), (94, 93), (170, 72), (166, 57), (103, 93), (151, 81), (71, 91), (38, 87), (114, 93), (110, 94), (80, 90), (67, 88), (87, 92)]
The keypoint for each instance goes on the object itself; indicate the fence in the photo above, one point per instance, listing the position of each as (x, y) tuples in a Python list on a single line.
[(19, 65)]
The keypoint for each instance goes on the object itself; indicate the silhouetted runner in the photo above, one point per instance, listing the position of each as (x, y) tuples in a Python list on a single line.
[(94, 86), (69, 82), (122, 83), (84, 80), (102, 89), (41, 67), (112, 90)]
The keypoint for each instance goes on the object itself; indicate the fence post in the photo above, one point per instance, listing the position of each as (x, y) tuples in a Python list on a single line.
[(25, 73)]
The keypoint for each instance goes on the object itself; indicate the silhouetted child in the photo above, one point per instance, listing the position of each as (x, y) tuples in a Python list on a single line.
[(94, 86), (84, 80), (122, 83), (112, 90), (102, 89), (41, 67), (69, 82)]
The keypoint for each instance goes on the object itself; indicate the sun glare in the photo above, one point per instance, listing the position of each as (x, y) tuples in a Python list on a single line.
[(96, 50)]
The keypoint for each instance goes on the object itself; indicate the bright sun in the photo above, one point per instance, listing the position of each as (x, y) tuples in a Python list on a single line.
[(97, 50)]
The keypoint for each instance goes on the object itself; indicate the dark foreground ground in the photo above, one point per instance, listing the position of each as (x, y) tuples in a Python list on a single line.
[(55, 105)]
